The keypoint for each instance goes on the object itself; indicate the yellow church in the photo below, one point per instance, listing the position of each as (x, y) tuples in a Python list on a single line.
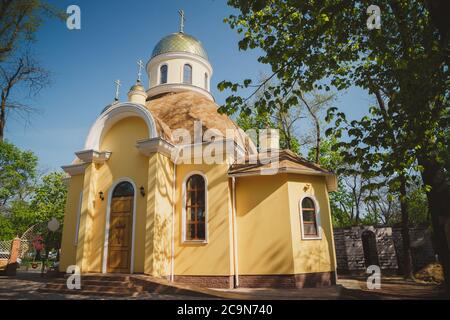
[(166, 186)]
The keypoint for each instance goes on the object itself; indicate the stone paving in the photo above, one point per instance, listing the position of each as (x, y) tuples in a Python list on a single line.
[(25, 286)]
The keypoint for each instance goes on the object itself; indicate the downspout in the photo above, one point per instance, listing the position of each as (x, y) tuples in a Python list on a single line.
[(172, 245), (235, 249)]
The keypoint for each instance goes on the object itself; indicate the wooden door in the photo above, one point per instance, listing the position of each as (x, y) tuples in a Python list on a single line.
[(119, 241)]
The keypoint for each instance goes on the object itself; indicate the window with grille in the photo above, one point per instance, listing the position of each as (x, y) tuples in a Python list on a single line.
[(195, 208), (309, 218)]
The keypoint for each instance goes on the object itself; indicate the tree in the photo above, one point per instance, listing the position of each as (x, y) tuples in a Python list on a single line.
[(6, 229), (21, 216), (19, 20), (314, 46), (17, 171), (23, 71), (347, 203), (285, 116), (49, 198)]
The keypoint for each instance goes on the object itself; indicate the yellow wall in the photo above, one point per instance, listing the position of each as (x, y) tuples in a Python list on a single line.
[(268, 213), (263, 225), (125, 162), (311, 255), (212, 258), (69, 248), (158, 229)]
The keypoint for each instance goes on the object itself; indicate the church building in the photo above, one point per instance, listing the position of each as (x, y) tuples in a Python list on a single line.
[(143, 199)]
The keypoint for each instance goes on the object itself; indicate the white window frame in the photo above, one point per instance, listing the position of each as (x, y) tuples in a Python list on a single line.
[(186, 178), (318, 222), (192, 75)]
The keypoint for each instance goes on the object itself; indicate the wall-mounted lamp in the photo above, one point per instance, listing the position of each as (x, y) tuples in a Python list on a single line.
[(142, 191), (101, 195)]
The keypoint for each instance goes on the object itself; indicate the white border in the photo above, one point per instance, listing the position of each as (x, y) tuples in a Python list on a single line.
[(113, 115), (318, 222), (108, 213), (159, 82), (192, 72), (190, 174)]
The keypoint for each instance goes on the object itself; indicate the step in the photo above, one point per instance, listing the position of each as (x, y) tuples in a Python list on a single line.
[(97, 288), (115, 278), (87, 292), (106, 283)]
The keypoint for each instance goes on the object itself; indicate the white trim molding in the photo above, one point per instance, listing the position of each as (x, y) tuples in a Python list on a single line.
[(107, 221), (93, 156), (183, 213), (178, 87), (155, 145), (330, 178), (75, 169), (114, 114), (318, 221)]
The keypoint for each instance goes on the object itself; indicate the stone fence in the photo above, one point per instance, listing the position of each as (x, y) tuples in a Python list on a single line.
[(358, 247)]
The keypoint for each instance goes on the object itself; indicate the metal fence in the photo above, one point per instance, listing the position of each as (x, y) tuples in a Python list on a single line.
[(5, 248)]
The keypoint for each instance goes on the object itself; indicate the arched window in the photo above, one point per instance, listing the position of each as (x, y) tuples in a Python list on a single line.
[(206, 81), (187, 74), (123, 189), (309, 219), (195, 209), (163, 74)]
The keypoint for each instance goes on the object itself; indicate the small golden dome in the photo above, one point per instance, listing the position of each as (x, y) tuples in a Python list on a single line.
[(137, 87)]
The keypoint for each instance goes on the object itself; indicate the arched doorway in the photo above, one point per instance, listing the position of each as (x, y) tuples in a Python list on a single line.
[(369, 243), (120, 229)]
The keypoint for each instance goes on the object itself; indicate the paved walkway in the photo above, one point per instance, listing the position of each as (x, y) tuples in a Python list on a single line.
[(25, 286)]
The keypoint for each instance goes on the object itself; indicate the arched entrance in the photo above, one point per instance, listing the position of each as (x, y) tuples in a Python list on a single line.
[(369, 243), (120, 228)]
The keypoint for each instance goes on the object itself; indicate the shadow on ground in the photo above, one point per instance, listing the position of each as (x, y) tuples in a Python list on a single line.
[(27, 285)]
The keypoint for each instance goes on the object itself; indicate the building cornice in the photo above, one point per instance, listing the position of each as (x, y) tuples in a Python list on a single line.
[(156, 145), (75, 169), (178, 87), (330, 178), (94, 156)]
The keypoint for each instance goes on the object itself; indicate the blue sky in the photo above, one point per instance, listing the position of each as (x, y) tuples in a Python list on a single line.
[(114, 35)]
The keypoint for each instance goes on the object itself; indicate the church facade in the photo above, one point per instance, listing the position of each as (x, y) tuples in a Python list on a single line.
[(167, 186)]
